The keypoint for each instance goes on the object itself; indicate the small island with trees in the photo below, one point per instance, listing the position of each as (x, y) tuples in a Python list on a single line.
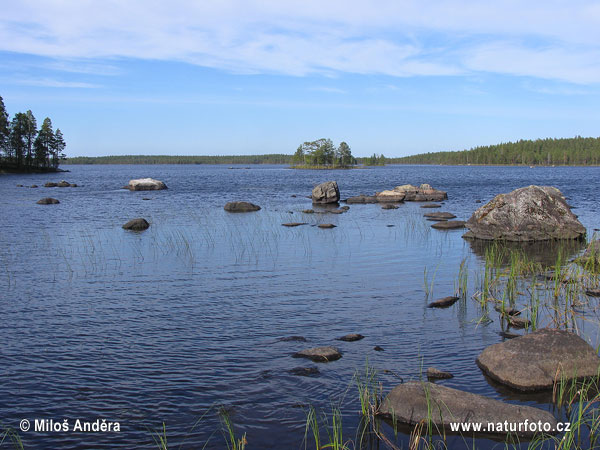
[(24, 148), (322, 154)]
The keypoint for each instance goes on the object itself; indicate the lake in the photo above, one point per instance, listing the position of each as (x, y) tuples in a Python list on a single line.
[(171, 324)]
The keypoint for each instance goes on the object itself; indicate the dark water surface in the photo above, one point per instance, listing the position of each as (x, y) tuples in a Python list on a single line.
[(153, 327)]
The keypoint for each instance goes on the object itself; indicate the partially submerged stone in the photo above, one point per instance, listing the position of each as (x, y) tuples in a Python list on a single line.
[(431, 205), (389, 206), (138, 224), (48, 201), (146, 184), (51, 184), (326, 225), (327, 192), (241, 207), (320, 354), (449, 225), (362, 199), (440, 215), (63, 183), (292, 339), (390, 196), (294, 224), (533, 213), (351, 337), (532, 362), (422, 193), (443, 302), (413, 402), (436, 374)]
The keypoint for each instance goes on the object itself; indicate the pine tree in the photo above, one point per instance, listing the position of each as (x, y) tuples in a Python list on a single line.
[(17, 144), (44, 144), (4, 129), (59, 148), (30, 134)]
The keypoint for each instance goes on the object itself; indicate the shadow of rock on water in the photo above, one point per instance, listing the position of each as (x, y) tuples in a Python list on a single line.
[(543, 252)]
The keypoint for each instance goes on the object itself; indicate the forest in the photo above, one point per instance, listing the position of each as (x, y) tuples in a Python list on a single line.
[(541, 152), (24, 148), (174, 159)]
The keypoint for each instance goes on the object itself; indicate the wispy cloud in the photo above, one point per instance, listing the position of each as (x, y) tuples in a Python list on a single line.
[(327, 89), (542, 39), (47, 82)]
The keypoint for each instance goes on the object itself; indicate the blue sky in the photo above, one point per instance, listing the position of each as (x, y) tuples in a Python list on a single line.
[(230, 77)]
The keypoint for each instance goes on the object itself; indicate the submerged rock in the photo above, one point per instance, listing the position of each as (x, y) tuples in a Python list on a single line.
[(518, 322), (327, 192), (292, 339), (33, 186), (443, 302), (64, 183), (436, 374), (48, 201), (448, 225), (532, 362), (362, 199), (138, 224), (305, 371), (591, 257), (431, 205), (533, 213), (320, 354), (413, 402), (351, 337), (308, 211), (241, 207), (146, 184), (326, 225), (51, 184), (377, 348), (389, 206)]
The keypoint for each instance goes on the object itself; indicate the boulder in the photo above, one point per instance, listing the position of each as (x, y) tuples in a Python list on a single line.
[(327, 192), (389, 206), (48, 201), (351, 337), (50, 184), (139, 224), (391, 196), (443, 302), (146, 184), (534, 213), (319, 354), (449, 224), (63, 183), (423, 193), (362, 199), (436, 374), (531, 362), (241, 207), (431, 205), (415, 401)]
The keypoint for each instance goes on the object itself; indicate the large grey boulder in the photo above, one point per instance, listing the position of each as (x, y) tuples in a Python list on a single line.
[(532, 362), (415, 401), (534, 213), (327, 192), (146, 184), (241, 207)]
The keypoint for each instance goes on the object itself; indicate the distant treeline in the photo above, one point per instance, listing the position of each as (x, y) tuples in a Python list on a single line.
[(571, 151), (168, 159)]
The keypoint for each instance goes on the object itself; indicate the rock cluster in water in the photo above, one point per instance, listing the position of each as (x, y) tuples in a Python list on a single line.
[(533, 213)]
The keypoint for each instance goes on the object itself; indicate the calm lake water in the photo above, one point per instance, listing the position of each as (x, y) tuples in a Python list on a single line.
[(161, 326)]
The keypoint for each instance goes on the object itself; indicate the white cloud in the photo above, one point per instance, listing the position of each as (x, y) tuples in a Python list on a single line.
[(48, 82), (396, 38)]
